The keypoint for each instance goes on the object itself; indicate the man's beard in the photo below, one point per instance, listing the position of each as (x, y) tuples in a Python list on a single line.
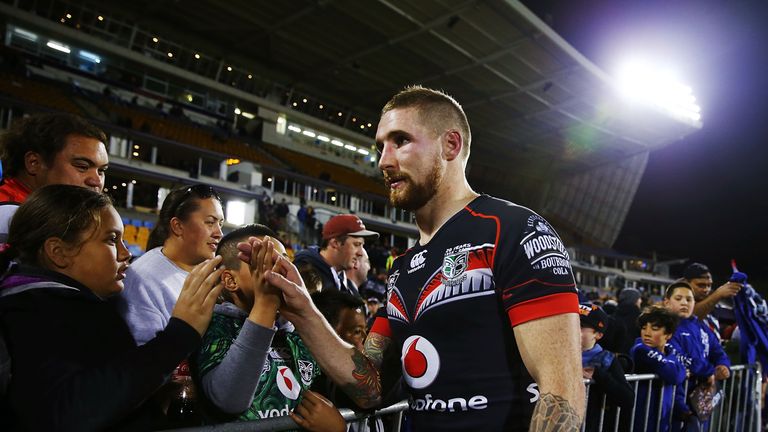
[(412, 196)]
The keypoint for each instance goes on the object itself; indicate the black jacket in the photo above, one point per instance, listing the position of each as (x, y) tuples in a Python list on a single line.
[(310, 258), (75, 365)]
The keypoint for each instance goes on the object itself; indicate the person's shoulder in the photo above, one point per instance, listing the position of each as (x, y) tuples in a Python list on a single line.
[(509, 214)]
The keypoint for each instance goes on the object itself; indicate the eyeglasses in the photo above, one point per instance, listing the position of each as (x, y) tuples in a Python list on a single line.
[(200, 191)]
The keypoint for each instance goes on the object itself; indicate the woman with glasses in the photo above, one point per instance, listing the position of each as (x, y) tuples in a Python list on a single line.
[(75, 365), (187, 233)]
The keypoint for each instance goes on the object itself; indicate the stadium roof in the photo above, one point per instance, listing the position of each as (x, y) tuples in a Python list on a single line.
[(540, 112), (537, 107)]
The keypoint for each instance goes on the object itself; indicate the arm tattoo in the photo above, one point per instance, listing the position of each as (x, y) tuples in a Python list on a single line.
[(554, 414), (366, 388), (375, 345)]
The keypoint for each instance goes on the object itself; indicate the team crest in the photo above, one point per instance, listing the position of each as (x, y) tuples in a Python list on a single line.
[(454, 265), (306, 369)]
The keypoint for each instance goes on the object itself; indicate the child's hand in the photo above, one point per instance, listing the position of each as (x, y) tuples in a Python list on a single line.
[(722, 372), (317, 414), (263, 259)]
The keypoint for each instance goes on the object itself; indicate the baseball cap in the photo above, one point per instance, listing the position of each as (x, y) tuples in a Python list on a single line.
[(593, 316), (346, 224)]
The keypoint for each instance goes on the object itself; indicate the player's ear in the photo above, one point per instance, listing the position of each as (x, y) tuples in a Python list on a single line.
[(453, 143)]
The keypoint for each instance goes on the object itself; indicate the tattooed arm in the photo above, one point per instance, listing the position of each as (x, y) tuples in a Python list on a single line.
[(355, 372), (550, 348)]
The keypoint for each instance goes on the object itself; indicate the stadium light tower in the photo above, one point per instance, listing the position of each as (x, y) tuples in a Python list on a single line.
[(641, 82)]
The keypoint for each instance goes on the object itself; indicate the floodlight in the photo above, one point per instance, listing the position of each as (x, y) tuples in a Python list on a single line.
[(641, 82)]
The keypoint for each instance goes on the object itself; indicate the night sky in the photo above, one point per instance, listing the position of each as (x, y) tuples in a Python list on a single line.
[(705, 197)]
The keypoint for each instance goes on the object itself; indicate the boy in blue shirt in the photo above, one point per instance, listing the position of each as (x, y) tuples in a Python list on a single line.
[(698, 349), (652, 355)]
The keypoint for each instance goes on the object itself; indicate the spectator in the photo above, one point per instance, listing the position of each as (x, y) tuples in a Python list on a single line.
[(346, 315), (281, 211), (625, 317), (698, 349), (342, 246), (187, 233), (652, 354), (76, 366), (237, 364), (393, 253), (48, 149), (604, 368), (708, 303), (357, 275)]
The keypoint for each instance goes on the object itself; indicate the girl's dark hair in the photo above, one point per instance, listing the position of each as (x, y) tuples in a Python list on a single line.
[(659, 316), (680, 283), (62, 211), (179, 203)]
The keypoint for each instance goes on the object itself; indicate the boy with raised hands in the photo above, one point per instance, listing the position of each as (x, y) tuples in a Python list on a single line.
[(247, 367)]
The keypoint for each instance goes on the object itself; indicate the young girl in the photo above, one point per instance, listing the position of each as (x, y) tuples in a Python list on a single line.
[(75, 365), (697, 347)]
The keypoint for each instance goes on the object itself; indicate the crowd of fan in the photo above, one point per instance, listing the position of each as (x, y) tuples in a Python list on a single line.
[(680, 339), (94, 340)]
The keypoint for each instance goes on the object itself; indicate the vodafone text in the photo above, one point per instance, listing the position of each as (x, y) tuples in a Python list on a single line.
[(274, 412), (453, 404)]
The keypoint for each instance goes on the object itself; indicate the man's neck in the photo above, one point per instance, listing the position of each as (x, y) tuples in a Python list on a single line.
[(432, 216), (27, 181)]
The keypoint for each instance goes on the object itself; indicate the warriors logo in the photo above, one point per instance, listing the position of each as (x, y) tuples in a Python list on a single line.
[(454, 265)]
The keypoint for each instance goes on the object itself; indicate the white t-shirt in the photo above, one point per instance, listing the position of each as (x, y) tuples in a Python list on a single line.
[(152, 286)]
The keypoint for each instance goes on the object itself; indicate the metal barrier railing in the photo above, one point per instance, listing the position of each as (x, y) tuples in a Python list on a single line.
[(737, 411)]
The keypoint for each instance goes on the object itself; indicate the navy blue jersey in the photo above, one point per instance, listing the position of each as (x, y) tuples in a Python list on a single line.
[(452, 305)]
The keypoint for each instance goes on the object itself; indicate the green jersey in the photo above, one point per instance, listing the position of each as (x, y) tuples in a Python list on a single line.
[(288, 369)]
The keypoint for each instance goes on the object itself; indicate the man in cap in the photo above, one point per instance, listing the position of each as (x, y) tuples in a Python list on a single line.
[(699, 278), (342, 246)]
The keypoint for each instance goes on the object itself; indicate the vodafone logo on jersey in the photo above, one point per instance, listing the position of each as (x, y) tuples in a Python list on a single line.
[(287, 383), (421, 362)]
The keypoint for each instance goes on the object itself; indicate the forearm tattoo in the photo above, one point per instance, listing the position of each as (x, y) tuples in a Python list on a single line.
[(554, 414), (366, 388)]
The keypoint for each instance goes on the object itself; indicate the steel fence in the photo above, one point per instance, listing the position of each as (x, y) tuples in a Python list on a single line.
[(737, 411)]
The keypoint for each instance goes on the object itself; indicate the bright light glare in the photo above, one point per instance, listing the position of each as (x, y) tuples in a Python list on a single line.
[(309, 133), (363, 151), (90, 56), (294, 128), (350, 147), (337, 143), (25, 34), (236, 212), (237, 111), (323, 138), (58, 46), (248, 115), (642, 82)]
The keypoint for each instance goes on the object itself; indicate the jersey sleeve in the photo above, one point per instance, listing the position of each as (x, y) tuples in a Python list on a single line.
[(381, 323), (532, 269)]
